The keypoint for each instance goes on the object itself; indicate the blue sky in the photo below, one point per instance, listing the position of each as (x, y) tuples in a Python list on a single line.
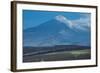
[(32, 18)]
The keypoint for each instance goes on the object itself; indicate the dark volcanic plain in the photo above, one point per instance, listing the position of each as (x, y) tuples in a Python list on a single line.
[(56, 53)]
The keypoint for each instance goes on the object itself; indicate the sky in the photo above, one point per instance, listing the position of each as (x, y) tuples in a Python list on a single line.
[(33, 18)]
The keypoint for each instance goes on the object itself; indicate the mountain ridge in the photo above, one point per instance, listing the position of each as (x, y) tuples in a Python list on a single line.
[(54, 32)]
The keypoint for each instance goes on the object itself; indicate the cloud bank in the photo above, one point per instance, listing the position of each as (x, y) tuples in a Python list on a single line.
[(83, 23)]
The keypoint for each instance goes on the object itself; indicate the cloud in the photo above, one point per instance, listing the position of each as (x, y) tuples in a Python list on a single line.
[(83, 23), (63, 19)]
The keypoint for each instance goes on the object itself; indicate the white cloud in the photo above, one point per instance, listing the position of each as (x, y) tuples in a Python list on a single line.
[(83, 23), (64, 20)]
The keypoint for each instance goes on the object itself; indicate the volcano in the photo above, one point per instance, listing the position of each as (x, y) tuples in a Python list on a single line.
[(57, 31)]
